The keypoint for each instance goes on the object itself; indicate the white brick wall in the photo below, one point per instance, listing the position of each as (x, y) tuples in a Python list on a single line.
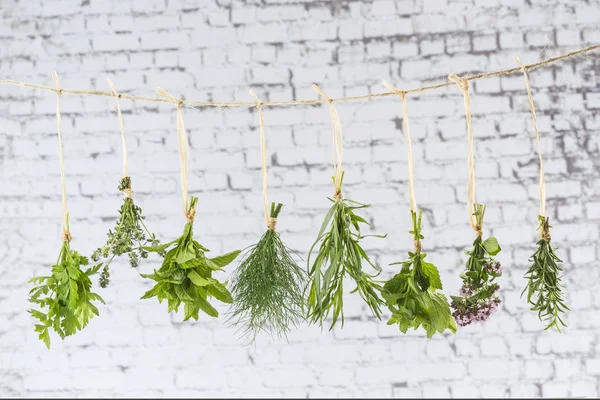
[(219, 49)]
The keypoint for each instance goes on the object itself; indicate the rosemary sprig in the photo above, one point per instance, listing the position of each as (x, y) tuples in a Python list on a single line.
[(544, 281), (67, 295), (412, 295), (267, 287), (185, 275), (129, 236), (477, 298), (340, 255)]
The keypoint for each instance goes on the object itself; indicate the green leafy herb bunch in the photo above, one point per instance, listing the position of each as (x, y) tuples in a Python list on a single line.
[(413, 295), (64, 297), (267, 286), (478, 298), (185, 275), (129, 236), (544, 287), (340, 255)]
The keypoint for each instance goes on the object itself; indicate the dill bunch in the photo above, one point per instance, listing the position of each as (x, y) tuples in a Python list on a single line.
[(66, 294), (129, 236), (339, 255), (544, 281), (412, 295), (267, 287), (185, 275)]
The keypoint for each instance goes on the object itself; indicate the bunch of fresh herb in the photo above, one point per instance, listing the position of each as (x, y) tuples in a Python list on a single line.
[(267, 286), (411, 295), (129, 236), (544, 281), (478, 298), (340, 255), (186, 274), (67, 295)]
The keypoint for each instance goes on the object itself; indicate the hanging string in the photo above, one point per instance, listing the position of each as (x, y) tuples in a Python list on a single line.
[(463, 84), (411, 171), (537, 137), (271, 222), (66, 235), (338, 144), (184, 154), (127, 192)]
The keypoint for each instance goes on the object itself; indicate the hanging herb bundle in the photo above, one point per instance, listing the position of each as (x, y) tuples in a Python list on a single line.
[(478, 298), (129, 236), (544, 276), (185, 275), (267, 286), (544, 281), (66, 293), (412, 295)]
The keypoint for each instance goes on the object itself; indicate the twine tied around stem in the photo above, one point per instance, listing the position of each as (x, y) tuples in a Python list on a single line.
[(338, 144), (127, 192), (184, 153), (66, 235), (463, 85)]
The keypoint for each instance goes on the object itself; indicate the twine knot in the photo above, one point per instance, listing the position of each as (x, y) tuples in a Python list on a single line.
[(463, 83), (66, 236), (545, 235), (478, 231), (417, 246), (128, 193), (179, 103), (189, 216), (272, 223), (337, 195)]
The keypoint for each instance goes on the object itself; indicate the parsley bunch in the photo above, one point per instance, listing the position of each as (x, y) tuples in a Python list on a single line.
[(186, 274), (267, 286), (66, 294), (129, 236), (411, 295), (340, 255), (478, 298), (544, 281)]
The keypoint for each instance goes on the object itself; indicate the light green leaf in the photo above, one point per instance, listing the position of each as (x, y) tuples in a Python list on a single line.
[(491, 246)]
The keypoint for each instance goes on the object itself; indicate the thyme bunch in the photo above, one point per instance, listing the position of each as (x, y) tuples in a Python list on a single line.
[(129, 236), (544, 281), (478, 298), (339, 255), (67, 295), (267, 287), (185, 275), (412, 295)]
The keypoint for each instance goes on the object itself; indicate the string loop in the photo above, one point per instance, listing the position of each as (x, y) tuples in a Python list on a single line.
[(338, 144), (463, 85), (542, 211), (263, 162), (66, 235), (184, 152), (127, 192)]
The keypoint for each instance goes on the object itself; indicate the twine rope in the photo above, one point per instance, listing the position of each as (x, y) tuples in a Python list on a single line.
[(184, 154), (127, 192), (463, 85), (537, 137), (66, 235), (507, 71), (338, 144), (271, 222)]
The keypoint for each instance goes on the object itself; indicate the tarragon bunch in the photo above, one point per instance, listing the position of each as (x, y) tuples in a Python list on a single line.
[(267, 286), (185, 275), (544, 281), (65, 297), (412, 295), (129, 236), (478, 298), (340, 255)]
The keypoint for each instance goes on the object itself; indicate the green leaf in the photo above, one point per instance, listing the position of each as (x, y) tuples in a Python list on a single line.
[(432, 273), (158, 248), (197, 279), (225, 259), (491, 246), (45, 337), (207, 308)]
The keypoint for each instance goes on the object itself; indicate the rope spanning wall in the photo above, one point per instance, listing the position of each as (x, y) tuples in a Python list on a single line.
[(526, 67)]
